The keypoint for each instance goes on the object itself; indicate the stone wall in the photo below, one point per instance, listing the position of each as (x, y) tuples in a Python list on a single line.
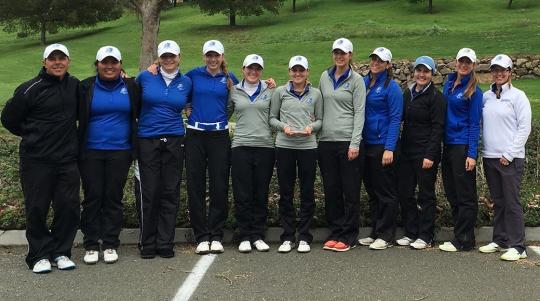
[(525, 66)]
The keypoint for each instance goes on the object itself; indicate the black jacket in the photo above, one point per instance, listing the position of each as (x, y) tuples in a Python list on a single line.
[(43, 111), (423, 123), (85, 100)]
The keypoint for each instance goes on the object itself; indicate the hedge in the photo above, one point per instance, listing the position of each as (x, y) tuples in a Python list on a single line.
[(12, 211)]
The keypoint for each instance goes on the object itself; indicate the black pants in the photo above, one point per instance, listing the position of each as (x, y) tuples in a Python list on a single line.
[(251, 169), (208, 149), (288, 161), (504, 183), (160, 167), (42, 183), (341, 180), (381, 187), (103, 175), (417, 211), (460, 190)]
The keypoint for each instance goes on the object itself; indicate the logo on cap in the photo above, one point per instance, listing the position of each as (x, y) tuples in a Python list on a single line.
[(298, 59), (212, 43), (167, 45), (499, 58), (467, 50), (255, 57), (109, 50), (340, 42), (380, 49)]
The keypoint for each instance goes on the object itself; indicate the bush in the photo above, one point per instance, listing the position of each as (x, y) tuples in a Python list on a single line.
[(12, 211)]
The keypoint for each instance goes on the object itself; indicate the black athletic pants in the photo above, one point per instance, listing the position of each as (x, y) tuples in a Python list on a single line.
[(251, 170), (381, 187), (288, 161), (103, 175), (160, 167), (42, 183), (208, 150), (417, 211), (341, 180), (504, 183), (460, 190)]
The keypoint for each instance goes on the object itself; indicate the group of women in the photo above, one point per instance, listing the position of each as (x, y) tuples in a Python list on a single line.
[(350, 125)]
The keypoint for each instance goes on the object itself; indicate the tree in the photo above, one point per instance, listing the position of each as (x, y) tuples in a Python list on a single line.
[(149, 12), (233, 8), (293, 6), (509, 3), (430, 4), (48, 16)]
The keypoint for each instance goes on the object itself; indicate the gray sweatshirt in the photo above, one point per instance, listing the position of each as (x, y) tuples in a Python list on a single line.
[(343, 108), (252, 127), (287, 109)]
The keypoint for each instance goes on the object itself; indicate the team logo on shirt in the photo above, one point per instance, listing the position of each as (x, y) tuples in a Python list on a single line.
[(180, 87), (124, 91), (346, 86), (265, 97), (309, 100), (223, 80), (378, 91), (459, 96)]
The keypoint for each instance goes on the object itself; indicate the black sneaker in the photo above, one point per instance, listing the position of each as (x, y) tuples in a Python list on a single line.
[(165, 253), (148, 253)]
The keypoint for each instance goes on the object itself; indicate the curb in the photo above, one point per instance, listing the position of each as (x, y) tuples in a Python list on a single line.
[(185, 235)]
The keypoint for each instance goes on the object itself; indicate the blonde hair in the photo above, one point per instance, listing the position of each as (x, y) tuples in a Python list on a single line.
[(227, 75), (471, 86)]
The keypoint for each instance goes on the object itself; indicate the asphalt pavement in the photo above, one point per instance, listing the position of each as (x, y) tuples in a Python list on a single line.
[(360, 274)]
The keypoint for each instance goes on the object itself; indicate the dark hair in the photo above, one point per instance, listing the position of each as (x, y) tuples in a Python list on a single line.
[(227, 75)]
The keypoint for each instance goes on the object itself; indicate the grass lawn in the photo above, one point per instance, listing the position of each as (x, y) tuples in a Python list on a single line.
[(485, 25)]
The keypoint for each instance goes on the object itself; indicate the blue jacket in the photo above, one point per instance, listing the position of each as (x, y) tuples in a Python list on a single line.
[(384, 108), (209, 98), (463, 115), (162, 105)]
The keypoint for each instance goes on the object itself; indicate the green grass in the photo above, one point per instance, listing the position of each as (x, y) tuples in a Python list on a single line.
[(485, 25)]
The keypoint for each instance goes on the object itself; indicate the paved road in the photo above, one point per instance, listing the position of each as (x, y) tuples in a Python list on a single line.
[(361, 274)]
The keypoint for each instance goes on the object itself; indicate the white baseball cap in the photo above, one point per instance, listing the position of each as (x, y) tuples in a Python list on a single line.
[(502, 60), (107, 51), (213, 45), (54, 47), (383, 53), (466, 52), (343, 44), (168, 46), (299, 60), (253, 59)]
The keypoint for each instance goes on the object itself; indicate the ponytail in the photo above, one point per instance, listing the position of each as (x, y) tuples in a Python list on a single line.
[(471, 86), (390, 75), (227, 75)]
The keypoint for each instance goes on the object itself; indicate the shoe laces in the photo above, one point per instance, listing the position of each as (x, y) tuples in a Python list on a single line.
[(61, 258), (303, 243), (109, 251), (42, 261), (287, 243)]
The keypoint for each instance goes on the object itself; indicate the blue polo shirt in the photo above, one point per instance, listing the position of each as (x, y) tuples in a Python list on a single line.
[(209, 99), (109, 121), (384, 108), (463, 115), (162, 105)]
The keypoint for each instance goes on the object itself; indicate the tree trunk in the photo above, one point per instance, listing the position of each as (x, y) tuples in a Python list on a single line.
[(430, 9), (43, 32), (294, 6), (149, 16), (510, 4), (232, 17)]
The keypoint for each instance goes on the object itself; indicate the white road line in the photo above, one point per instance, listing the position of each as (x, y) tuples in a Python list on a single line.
[(192, 282)]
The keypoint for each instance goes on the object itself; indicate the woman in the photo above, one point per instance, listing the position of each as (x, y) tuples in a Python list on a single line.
[(161, 141), (506, 127), (208, 148), (340, 148), (252, 154), (384, 106), (424, 113), (461, 132), (108, 112), (296, 114)]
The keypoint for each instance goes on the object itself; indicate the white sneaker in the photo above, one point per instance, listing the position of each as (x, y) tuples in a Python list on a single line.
[(203, 248), (110, 256), (366, 241), (404, 241), (512, 255), (492, 247), (64, 263), (41, 267), (303, 247), (91, 257), (216, 247), (261, 246), (447, 247), (420, 244), (244, 247), (380, 244), (286, 247)]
